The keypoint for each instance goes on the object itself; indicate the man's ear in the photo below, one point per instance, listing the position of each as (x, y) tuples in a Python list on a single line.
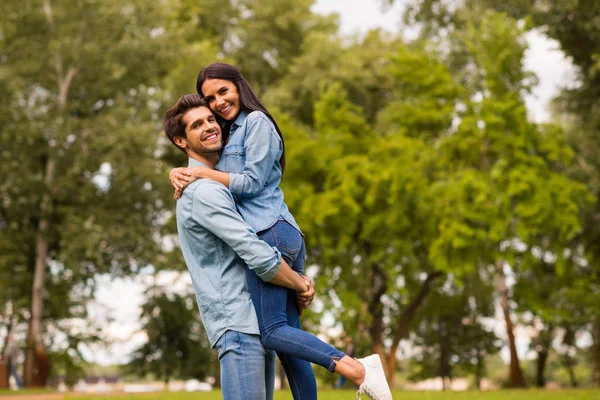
[(180, 142)]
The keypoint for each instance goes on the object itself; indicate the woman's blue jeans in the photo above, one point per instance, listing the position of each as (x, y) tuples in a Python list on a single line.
[(279, 321)]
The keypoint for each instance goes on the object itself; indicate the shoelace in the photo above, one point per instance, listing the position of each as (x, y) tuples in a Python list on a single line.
[(366, 390), (358, 393)]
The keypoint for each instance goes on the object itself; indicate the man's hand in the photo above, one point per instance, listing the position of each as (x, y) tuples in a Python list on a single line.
[(180, 178), (305, 299)]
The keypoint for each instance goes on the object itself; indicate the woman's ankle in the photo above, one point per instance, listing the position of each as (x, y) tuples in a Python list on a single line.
[(351, 369)]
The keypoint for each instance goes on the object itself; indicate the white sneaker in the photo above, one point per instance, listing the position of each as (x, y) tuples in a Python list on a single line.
[(375, 385)]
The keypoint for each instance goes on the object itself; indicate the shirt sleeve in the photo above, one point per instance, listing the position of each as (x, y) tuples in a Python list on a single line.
[(214, 208), (263, 147)]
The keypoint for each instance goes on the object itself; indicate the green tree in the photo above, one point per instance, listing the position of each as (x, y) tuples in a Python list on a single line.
[(504, 177), (450, 337), (572, 24), (359, 65), (80, 180), (362, 200), (177, 346)]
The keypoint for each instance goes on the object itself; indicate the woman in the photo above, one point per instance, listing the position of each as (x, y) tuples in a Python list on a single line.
[(251, 166)]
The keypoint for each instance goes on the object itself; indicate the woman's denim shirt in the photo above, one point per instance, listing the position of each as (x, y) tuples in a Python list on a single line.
[(252, 159)]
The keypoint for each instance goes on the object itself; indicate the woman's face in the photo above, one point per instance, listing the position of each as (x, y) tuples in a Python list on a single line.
[(223, 97)]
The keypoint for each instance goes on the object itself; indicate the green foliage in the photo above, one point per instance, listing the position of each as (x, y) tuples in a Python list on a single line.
[(177, 346), (406, 162), (451, 338)]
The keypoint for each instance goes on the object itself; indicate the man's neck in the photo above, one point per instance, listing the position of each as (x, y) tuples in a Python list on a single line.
[(210, 159)]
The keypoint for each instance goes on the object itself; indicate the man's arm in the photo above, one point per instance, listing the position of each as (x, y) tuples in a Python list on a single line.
[(214, 208)]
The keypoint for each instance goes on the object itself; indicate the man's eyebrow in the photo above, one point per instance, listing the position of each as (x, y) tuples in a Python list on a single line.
[(211, 115), (194, 122)]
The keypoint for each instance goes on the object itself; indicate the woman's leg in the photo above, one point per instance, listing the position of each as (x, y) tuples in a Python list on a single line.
[(272, 300), (299, 372), (272, 303)]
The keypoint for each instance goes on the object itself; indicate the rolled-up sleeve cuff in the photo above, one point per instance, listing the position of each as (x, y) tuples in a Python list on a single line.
[(236, 183), (272, 268)]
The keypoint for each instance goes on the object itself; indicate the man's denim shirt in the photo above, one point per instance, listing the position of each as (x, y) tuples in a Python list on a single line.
[(217, 245), (252, 159)]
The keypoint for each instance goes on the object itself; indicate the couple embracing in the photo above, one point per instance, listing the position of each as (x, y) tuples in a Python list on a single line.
[(243, 248)]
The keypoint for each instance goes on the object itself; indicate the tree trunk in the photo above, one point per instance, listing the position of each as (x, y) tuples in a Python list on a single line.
[(375, 309), (37, 364), (515, 372), (389, 359), (444, 371), (540, 378), (569, 363), (543, 342), (479, 370), (596, 353)]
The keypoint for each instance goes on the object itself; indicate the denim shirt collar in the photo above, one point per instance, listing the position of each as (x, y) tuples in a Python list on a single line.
[(192, 162), (239, 121)]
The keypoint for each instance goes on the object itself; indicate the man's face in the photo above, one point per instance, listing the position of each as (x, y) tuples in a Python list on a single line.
[(202, 131)]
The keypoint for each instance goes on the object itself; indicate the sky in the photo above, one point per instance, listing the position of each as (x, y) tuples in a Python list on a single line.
[(120, 300)]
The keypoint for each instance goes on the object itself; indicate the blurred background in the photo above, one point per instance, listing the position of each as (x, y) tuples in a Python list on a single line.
[(443, 162)]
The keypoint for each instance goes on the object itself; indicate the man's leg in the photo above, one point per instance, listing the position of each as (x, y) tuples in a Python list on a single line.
[(242, 359)]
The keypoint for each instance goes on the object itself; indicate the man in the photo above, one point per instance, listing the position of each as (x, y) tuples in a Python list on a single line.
[(217, 245)]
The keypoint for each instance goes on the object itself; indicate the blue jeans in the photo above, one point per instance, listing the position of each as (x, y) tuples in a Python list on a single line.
[(247, 369), (279, 321)]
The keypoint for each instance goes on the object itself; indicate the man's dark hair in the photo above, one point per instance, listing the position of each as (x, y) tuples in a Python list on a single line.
[(173, 120)]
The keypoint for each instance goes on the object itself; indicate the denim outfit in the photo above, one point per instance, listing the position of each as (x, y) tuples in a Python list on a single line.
[(251, 157), (217, 245)]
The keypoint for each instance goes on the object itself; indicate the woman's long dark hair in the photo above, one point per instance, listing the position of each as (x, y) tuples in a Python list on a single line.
[(248, 100)]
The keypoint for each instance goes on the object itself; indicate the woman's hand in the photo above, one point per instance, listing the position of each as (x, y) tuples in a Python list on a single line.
[(180, 178)]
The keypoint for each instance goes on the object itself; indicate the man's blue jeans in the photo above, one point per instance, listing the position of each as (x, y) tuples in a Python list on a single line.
[(247, 369), (279, 321)]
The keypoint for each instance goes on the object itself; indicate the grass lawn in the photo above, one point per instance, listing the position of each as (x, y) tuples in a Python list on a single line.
[(348, 394), (8, 392)]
